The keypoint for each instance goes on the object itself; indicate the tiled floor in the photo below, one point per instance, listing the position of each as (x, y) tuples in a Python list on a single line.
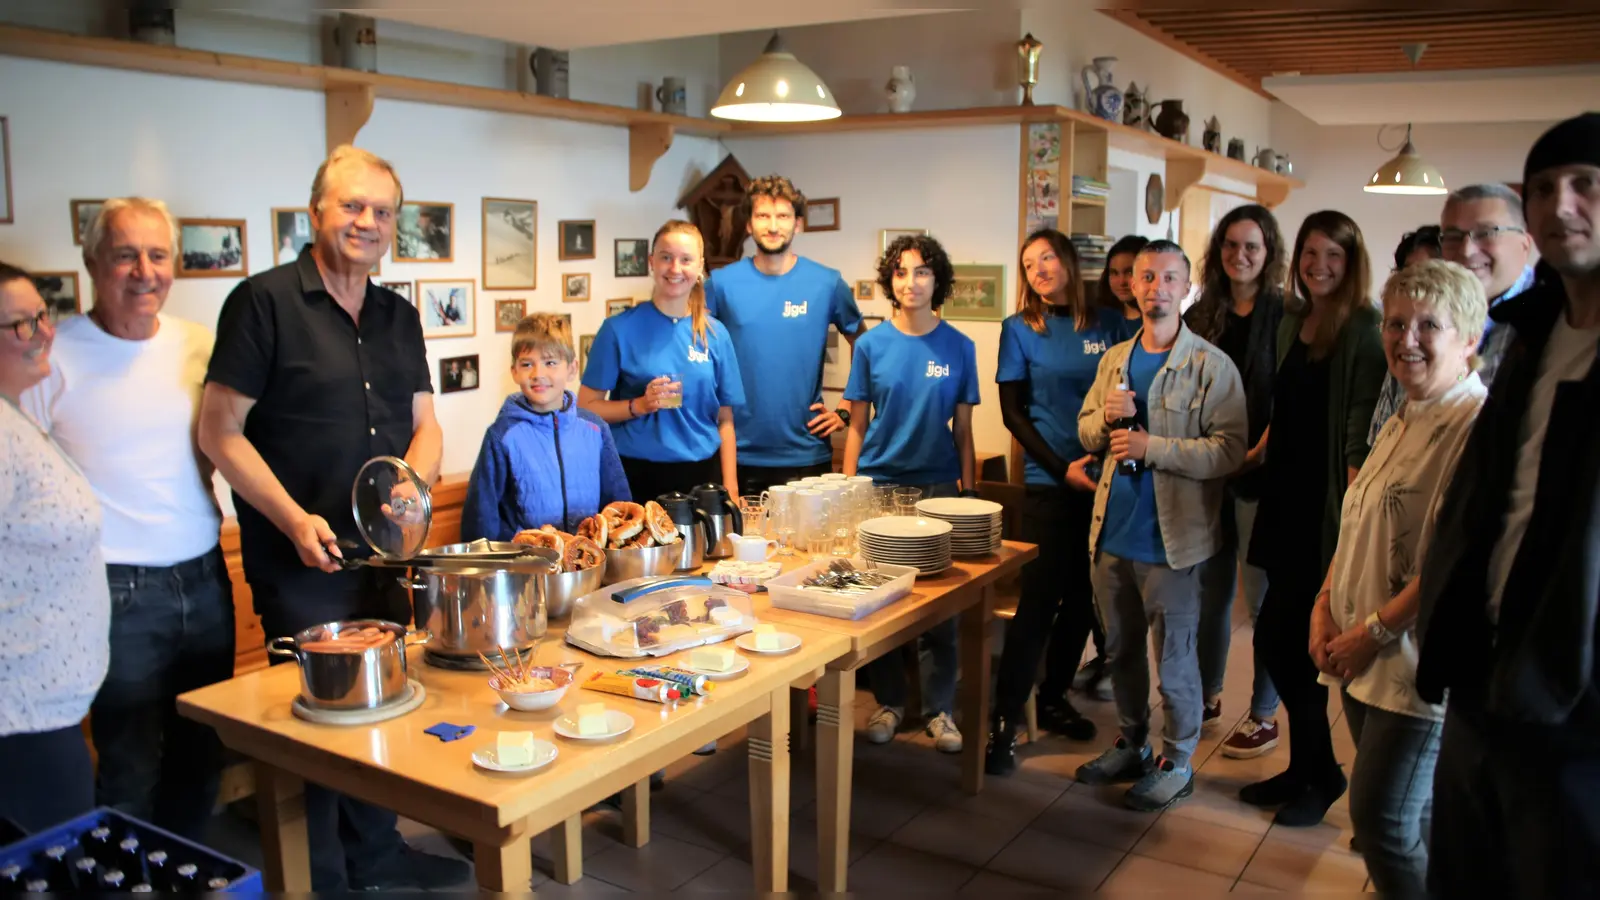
[(913, 829)]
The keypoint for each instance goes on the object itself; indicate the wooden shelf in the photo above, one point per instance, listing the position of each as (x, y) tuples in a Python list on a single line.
[(1089, 201)]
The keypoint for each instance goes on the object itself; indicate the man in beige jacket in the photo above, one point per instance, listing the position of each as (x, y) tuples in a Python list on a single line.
[(1169, 410)]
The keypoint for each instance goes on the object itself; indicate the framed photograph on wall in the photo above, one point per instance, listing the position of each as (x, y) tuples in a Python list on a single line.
[(577, 239), (448, 307), (978, 294), (822, 215), (574, 287), (83, 213), (291, 233), (403, 288), (864, 290), (458, 373), (620, 305), (212, 248), (836, 356), (507, 313), (585, 344), (7, 216), (510, 244), (633, 257), (888, 235), (425, 232), (60, 293)]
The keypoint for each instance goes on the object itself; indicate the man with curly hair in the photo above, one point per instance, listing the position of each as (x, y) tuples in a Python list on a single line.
[(777, 307)]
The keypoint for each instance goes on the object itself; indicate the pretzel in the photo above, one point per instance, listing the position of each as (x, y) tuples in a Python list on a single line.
[(533, 537), (624, 519), (581, 554), (660, 525), (595, 529)]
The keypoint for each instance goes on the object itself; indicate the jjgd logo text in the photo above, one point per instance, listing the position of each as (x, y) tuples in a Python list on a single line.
[(791, 311), (937, 371), (699, 356)]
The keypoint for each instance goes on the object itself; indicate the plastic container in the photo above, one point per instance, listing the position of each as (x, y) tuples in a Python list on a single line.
[(657, 616), (209, 864), (787, 593)]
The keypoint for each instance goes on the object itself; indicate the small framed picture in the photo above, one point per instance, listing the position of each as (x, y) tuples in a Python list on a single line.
[(621, 305), (978, 294), (212, 248), (291, 233), (822, 215), (60, 293), (458, 373), (448, 308), (83, 213), (577, 239), (425, 232), (633, 257), (507, 313), (510, 244), (403, 288), (888, 235), (6, 214), (574, 287), (585, 344), (864, 289)]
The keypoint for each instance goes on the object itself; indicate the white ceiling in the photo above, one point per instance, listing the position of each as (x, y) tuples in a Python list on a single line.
[(594, 23), (1480, 95)]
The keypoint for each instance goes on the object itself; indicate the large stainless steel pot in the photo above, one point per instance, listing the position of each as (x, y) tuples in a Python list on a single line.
[(363, 679), (472, 611)]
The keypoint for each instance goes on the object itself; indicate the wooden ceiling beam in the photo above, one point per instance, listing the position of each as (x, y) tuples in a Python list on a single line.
[(1585, 43), (1133, 21), (1204, 20), (1567, 36), (1395, 33)]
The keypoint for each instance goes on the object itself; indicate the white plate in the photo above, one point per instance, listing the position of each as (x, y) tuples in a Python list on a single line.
[(617, 723), (740, 666), (959, 506), (544, 753), (786, 642), (905, 527)]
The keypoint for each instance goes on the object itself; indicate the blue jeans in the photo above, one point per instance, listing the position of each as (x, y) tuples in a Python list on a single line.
[(1135, 598), (1391, 794), (46, 777), (171, 632), (1217, 580), (887, 673)]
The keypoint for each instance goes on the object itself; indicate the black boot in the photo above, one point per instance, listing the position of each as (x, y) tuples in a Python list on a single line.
[(1059, 716), (1312, 804), (1001, 756)]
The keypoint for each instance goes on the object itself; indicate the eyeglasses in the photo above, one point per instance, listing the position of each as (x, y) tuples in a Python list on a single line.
[(1483, 234), (25, 329)]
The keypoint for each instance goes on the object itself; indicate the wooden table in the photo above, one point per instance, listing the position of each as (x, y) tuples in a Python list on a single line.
[(395, 765)]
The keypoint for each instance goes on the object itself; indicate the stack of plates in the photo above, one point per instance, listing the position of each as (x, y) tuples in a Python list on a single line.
[(975, 523), (922, 544)]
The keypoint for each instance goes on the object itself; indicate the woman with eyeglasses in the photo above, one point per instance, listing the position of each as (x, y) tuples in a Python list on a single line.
[(55, 607)]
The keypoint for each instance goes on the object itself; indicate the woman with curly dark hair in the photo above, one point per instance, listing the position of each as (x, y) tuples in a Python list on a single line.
[(1425, 243), (1239, 308), (913, 384), (1116, 281)]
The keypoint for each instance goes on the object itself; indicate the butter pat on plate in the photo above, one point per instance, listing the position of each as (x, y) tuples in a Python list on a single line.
[(514, 748), (767, 640), (592, 719), (712, 659)]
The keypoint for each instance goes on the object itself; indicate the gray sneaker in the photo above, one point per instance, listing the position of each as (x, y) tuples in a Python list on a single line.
[(1123, 762), (1165, 785)]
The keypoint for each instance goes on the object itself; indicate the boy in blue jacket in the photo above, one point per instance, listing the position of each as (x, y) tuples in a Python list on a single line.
[(544, 461)]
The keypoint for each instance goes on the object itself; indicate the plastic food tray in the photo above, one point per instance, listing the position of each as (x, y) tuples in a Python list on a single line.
[(656, 616), (787, 593), (29, 852)]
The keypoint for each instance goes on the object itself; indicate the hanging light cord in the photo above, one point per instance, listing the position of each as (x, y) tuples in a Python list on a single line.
[(1396, 148), (1414, 53)]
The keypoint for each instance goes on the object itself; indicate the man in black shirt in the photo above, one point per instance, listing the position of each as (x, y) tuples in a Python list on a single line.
[(316, 370)]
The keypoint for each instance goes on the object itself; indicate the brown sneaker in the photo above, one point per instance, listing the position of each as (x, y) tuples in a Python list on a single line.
[(1252, 738)]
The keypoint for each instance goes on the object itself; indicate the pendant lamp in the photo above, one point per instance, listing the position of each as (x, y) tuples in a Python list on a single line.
[(1407, 173), (776, 88)]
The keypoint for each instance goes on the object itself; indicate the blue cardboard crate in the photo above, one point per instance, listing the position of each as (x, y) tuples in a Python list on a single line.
[(30, 849)]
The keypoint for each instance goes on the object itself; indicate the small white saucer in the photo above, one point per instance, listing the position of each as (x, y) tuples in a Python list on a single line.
[(618, 723), (544, 753), (786, 643), (740, 666)]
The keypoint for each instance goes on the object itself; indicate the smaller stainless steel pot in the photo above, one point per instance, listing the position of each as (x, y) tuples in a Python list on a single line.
[(365, 679), (562, 589)]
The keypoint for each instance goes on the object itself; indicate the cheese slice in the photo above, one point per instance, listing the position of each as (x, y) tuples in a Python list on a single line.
[(592, 719), (712, 659), (514, 748), (765, 629), (726, 615), (767, 640)]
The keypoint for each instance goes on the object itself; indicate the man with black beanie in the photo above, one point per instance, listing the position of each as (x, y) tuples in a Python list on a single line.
[(1510, 609)]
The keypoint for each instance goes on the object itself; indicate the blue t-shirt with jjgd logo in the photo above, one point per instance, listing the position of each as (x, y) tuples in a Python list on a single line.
[(779, 328), (633, 348), (913, 383)]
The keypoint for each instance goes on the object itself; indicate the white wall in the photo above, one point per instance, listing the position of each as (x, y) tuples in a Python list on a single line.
[(236, 151), (908, 180), (1336, 161)]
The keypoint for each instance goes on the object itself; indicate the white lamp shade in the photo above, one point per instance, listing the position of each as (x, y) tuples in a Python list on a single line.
[(1407, 173), (776, 88)]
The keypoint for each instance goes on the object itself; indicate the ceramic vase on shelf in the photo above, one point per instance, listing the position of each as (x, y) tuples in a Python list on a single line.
[(1236, 149), (1212, 139), (358, 42), (901, 89), (1135, 114), (150, 23), (1100, 95), (1171, 122)]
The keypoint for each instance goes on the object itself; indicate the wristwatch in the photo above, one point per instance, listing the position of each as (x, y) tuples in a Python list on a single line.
[(844, 416), (1379, 631)]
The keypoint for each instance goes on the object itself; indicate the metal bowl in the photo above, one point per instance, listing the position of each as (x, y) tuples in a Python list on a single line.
[(562, 589), (621, 565)]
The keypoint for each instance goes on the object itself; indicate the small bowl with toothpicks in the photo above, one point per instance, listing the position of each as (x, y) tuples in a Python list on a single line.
[(527, 687)]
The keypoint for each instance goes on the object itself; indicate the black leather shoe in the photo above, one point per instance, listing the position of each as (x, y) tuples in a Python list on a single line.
[(414, 870), (1061, 717), (1001, 756), (1275, 791), (1311, 806)]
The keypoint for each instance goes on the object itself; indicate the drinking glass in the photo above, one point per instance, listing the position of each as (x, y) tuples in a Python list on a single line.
[(753, 511), (672, 393), (785, 531), (905, 500), (819, 536)]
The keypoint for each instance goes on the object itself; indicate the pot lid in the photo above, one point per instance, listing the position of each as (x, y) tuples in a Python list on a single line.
[(392, 507)]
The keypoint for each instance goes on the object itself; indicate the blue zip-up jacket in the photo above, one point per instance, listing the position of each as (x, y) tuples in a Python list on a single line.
[(541, 469)]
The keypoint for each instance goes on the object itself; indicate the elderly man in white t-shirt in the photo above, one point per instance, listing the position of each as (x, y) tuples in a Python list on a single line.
[(123, 399)]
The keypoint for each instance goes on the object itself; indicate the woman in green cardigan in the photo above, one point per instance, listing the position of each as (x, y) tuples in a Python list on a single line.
[(1330, 370)]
